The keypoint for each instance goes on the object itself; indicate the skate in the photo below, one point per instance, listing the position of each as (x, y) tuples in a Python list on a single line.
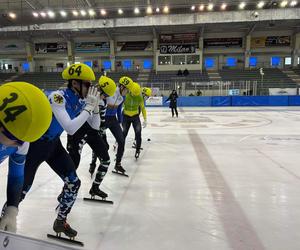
[(96, 191), (119, 170), (134, 146), (92, 169), (61, 226), (137, 153)]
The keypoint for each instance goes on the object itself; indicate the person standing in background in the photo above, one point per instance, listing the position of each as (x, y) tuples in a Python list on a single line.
[(173, 102)]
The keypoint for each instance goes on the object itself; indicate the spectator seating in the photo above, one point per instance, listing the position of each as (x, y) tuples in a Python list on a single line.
[(48, 81), (272, 77)]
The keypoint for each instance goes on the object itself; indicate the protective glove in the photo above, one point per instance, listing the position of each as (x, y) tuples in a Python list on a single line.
[(9, 219), (96, 109), (144, 124), (91, 99)]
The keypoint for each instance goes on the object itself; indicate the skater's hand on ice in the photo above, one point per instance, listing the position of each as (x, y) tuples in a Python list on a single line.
[(9, 219), (144, 124), (92, 99)]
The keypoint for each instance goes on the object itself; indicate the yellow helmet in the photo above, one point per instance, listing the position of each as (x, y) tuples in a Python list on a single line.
[(135, 89), (147, 91), (78, 71), (107, 85), (25, 111), (127, 82)]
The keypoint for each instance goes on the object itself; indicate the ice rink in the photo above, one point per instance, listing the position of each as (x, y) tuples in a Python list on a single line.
[(212, 179)]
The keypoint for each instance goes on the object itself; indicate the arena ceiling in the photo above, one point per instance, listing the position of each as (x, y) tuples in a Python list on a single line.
[(25, 8), (21, 12)]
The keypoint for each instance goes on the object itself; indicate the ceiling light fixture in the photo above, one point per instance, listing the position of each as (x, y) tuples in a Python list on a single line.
[(43, 14), (83, 12), (283, 4), (149, 10), (91, 12), (75, 13), (35, 14), (201, 7), (260, 4), (136, 10), (223, 6), (12, 15), (293, 3), (63, 13), (120, 11), (51, 14), (242, 5), (210, 7), (166, 9)]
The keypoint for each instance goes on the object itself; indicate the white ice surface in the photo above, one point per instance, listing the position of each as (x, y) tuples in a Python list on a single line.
[(214, 178)]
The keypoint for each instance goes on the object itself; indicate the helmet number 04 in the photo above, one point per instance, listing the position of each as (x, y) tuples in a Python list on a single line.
[(73, 69), (11, 112)]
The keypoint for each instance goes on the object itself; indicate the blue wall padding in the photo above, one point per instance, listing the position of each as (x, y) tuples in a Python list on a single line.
[(259, 100), (190, 101), (221, 101), (294, 100)]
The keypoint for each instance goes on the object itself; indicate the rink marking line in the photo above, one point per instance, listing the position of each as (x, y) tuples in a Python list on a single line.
[(278, 164), (119, 202), (237, 228)]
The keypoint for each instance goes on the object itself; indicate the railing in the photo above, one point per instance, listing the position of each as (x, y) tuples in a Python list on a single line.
[(216, 88)]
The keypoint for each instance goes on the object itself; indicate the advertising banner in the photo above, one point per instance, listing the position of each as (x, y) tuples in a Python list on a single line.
[(282, 91), (223, 42), (154, 101), (44, 48), (177, 49), (91, 47), (181, 38), (135, 46), (9, 47), (270, 41)]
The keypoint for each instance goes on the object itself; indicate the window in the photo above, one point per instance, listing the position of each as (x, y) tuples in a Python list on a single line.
[(288, 61), (147, 64), (88, 63), (25, 67), (275, 61), (252, 61), (163, 60), (231, 62), (179, 60), (107, 65), (127, 64), (209, 63), (193, 59)]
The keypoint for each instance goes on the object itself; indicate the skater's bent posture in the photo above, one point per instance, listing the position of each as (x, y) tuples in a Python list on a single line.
[(132, 103), (70, 112), (25, 115), (113, 118), (90, 135)]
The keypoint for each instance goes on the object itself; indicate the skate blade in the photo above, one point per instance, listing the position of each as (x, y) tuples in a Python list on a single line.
[(67, 240), (120, 173), (135, 147), (98, 200)]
